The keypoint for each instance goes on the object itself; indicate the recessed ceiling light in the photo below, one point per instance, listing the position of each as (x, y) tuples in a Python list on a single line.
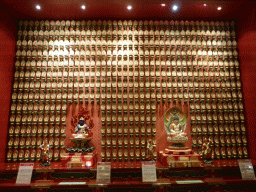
[(38, 7), (205, 5), (163, 5), (129, 7), (175, 7), (83, 6), (219, 8)]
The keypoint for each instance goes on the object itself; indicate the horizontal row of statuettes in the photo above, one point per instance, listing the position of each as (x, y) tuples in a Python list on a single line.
[(126, 142), (209, 129), (124, 55), (120, 104), (36, 130), (118, 147), (116, 73), (129, 46), (218, 115), (135, 130), (77, 79), (200, 115), (109, 123), (204, 113), (22, 55), (131, 43), (169, 33), (117, 78), (208, 51), (28, 107), (37, 119), (203, 32), (215, 104), (58, 92), (120, 118), (125, 41), (168, 89), (197, 79), (34, 142), (123, 45), (186, 90), (125, 154), (73, 77), (210, 103), (95, 23), (206, 108), (112, 85), (67, 44), (236, 99), (221, 140), (81, 64), (141, 58), (191, 63), (150, 69), (142, 27), (119, 56), (225, 152), (30, 155), (130, 123), (134, 122)]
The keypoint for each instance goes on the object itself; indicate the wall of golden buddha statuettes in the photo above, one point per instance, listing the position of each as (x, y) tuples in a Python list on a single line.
[(128, 68)]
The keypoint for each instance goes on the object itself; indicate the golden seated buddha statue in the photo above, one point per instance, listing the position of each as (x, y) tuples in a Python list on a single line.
[(175, 126)]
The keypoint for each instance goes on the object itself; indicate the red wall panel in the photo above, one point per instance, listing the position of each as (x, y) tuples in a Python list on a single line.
[(246, 39), (7, 58)]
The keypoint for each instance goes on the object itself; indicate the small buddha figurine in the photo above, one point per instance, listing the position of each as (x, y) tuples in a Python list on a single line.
[(81, 128), (176, 128), (150, 150), (207, 151), (45, 147)]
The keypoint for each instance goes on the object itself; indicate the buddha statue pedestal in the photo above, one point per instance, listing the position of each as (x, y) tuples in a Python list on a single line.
[(78, 159), (177, 154), (179, 158), (81, 154), (80, 144)]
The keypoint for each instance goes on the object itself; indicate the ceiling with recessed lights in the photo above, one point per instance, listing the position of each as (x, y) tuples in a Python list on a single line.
[(116, 9)]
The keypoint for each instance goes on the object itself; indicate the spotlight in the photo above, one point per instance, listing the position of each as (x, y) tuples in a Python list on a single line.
[(175, 7), (88, 163), (83, 7), (219, 8), (163, 5), (38, 7), (129, 7), (205, 5)]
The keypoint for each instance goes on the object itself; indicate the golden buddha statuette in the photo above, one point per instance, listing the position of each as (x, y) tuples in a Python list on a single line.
[(207, 151), (150, 150), (45, 147)]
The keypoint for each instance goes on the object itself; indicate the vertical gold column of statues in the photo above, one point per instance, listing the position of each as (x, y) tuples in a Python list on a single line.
[(128, 120), (216, 110), (39, 99)]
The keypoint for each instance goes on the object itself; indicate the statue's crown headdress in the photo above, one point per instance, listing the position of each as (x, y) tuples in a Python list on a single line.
[(81, 118)]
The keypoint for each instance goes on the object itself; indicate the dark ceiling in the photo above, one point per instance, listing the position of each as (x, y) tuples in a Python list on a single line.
[(117, 9)]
